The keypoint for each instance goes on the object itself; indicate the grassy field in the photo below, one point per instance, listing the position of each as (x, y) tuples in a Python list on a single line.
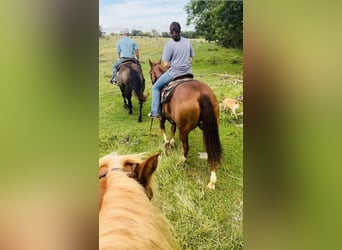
[(201, 218)]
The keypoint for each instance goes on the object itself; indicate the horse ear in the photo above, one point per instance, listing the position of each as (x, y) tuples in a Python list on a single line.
[(103, 168), (150, 62), (145, 171), (104, 163), (159, 62)]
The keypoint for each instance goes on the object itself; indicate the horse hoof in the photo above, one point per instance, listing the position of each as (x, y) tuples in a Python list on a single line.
[(125, 106), (183, 159), (211, 186)]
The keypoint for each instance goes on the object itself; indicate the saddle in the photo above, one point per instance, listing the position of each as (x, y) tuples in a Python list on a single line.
[(128, 61), (167, 91)]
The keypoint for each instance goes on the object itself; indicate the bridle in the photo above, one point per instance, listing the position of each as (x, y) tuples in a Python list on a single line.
[(130, 174), (154, 74)]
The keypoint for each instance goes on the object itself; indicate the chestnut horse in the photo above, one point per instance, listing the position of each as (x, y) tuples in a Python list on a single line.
[(130, 79), (192, 104), (127, 218)]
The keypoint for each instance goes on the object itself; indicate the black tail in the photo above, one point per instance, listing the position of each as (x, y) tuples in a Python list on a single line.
[(138, 84), (210, 131)]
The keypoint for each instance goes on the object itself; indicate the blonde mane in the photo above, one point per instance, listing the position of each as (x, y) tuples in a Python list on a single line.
[(127, 218)]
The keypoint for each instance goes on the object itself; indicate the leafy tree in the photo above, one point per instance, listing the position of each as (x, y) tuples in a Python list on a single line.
[(219, 21), (148, 34), (135, 32), (165, 34), (189, 34), (154, 32)]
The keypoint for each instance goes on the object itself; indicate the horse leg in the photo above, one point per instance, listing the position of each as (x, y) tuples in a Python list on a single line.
[(129, 98), (183, 136), (140, 109), (173, 131), (212, 182), (125, 104), (162, 128), (124, 98)]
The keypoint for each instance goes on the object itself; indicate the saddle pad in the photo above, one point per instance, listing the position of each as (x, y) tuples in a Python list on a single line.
[(167, 91)]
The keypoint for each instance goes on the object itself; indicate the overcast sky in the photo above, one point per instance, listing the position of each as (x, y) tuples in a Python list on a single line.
[(143, 15)]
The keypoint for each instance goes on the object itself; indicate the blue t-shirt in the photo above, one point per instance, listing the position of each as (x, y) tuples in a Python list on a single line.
[(126, 47), (178, 55)]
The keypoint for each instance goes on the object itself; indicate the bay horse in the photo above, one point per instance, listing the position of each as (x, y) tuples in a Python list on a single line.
[(127, 218), (130, 79), (192, 104)]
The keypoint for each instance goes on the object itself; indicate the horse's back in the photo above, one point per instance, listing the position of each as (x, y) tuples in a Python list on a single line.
[(130, 77), (205, 89), (184, 100), (124, 73), (184, 104), (192, 90)]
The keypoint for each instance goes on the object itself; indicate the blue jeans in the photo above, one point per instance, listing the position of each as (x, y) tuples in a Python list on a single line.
[(118, 62), (115, 67), (156, 87)]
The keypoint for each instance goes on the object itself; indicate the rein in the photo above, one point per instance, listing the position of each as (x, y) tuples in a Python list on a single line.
[(131, 173)]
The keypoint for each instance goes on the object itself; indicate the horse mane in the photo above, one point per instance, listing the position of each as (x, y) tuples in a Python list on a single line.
[(127, 218), (160, 68)]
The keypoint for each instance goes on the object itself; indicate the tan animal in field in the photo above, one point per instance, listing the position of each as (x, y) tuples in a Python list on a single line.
[(127, 218), (231, 104)]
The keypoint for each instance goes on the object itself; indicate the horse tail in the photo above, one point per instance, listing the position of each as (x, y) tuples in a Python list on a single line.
[(138, 84), (209, 126)]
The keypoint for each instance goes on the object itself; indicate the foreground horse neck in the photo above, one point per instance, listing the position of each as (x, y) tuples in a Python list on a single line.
[(128, 220)]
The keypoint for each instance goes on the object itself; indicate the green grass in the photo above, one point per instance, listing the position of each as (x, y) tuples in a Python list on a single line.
[(201, 218)]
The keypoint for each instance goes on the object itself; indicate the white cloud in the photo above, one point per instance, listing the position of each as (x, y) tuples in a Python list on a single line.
[(142, 15)]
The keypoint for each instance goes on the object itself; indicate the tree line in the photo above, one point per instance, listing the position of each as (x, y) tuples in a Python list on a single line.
[(154, 33), (219, 21)]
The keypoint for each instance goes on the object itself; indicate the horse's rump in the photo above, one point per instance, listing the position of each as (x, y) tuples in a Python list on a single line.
[(183, 103), (130, 77)]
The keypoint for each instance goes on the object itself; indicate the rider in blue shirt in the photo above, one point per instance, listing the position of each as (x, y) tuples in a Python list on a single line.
[(126, 49)]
